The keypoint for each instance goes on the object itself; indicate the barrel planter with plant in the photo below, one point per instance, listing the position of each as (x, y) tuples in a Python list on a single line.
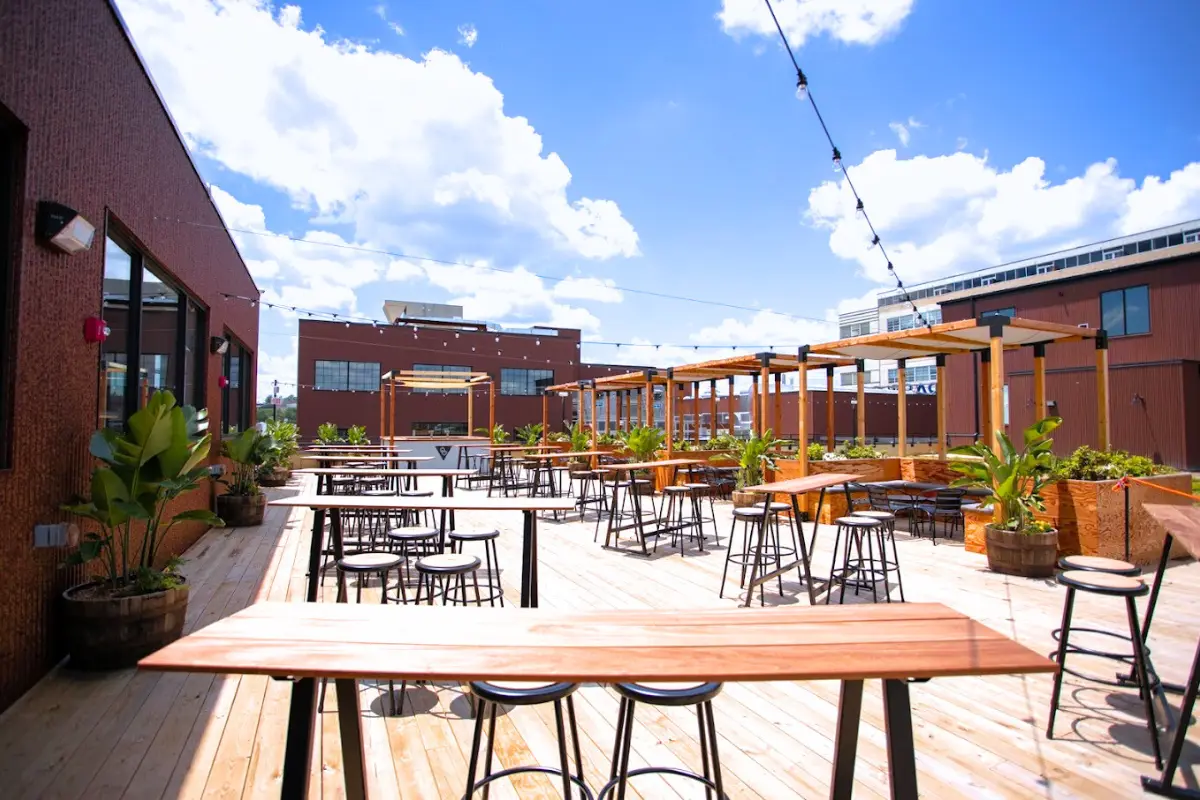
[(244, 504), (278, 468), (134, 606), (754, 456), (1017, 543), (579, 441)]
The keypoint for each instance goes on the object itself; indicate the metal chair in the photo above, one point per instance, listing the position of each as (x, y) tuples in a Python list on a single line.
[(946, 506)]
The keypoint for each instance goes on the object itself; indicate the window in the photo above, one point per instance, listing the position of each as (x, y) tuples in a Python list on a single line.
[(1109, 255), (236, 400), (920, 374), (1125, 312), (364, 376), (855, 329), (1191, 237), (847, 379), (1009, 312), (153, 325), (525, 381), (441, 371), (12, 139), (332, 376)]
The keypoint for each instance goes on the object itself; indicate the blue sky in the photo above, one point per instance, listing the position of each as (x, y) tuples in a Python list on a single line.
[(673, 155)]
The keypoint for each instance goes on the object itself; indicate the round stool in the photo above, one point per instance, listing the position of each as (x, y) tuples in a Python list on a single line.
[(492, 695), (666, 694), (1099, 564), (701, 491), (410, 543), (448, 573), (681, 515), (1109, 585), (859, 572), (490, 556), (363, 564), (888, 520), (754, 518), (414, 516)]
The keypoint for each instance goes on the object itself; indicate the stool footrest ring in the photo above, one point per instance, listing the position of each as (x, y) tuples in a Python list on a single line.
[(504, 773), (682, 773)]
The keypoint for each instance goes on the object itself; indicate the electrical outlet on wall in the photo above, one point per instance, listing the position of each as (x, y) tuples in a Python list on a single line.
[(55, 534)]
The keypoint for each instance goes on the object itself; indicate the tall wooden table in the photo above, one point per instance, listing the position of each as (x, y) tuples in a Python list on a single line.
[(347, 642), (447, 475), (793, 488), (612, 535), (1182, 523)]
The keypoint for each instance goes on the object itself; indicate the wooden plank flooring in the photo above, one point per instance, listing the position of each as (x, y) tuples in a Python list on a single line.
[(144, 735)]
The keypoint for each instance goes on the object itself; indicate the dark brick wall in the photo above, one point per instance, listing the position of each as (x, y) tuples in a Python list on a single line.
[(98, 140)]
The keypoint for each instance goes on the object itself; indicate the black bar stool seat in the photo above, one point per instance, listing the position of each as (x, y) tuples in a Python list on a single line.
[(699, 695), (1099, 564), (490, 695)]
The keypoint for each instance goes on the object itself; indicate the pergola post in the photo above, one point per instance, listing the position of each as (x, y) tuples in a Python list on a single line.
[(732, 419), (471, 410), (830, 429), (579, 405), (802, 410), (491, 406), (1039, 381), (678, 388), (670, 412), (901, 411), (940, 400), (1104, 432), (860, 374), (608, 415), (712, 408), (764, 372), (637, 406), (392, 413), (545, 414), (593, 412), (985, 397), (778, 417), (754, 429), (649, 392), (996, 387), (696, 413), (382, 407)]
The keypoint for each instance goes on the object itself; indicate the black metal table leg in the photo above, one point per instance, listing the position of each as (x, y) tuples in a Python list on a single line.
[(758, 546), (314, 555), (297, 753), (529, 561), (349, 713), (804, 554), (902, 760), (1164, 784), (845, 747), (1128, 678)]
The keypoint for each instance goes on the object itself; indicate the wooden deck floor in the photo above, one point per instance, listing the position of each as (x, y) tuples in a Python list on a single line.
[(143, 735)]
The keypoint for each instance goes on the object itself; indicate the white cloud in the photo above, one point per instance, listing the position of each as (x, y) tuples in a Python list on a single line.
[(360, 135), (467, 35), (278, 367), (903, 130), (381, 11), (594, 289), (767, 329), (850, 21), (960, 143), (1158, 202)]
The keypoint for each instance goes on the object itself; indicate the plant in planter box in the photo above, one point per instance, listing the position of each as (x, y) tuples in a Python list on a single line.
[(609, 439), (1017, 544), (135, 607), (816, 452), (722, 441), (327, 433), (244, 504), (497, 434), (580, 441), (530, 434), (558, 436), (643, 444), (754, 455), (357, 435), (1086, 464), (278, 468)]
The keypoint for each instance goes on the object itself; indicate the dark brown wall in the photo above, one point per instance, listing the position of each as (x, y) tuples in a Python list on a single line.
[(99, 141), (1152, 385)]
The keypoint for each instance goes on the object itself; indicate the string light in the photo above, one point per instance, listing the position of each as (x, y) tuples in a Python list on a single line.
[(804, 93)]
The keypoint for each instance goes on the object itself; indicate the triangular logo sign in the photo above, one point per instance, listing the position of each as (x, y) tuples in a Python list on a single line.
[(443, 450)]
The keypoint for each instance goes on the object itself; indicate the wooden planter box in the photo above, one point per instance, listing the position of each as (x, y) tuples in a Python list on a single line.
[(1090, 518)]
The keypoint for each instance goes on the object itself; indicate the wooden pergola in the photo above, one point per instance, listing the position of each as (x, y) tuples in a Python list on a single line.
[(446, 381), (990, 336)]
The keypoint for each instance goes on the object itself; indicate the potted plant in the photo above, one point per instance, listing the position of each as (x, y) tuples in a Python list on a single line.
[(580, 441), (244, 504), (497, 434), (278, 468), (357, 435), (754, 455), (135, 607), (530, 434), (327, 433), (1017, 544), (643, 444)]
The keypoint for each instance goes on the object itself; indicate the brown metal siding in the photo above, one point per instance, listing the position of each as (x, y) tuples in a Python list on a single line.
[(98, 140)]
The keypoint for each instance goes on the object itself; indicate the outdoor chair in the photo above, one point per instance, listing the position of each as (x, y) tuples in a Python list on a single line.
[(946, 506)]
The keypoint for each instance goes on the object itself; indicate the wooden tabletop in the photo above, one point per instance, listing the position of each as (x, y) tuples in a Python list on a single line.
[(365, 459), (433, 472), (456, 503), (860, 642), (809, 483), (582, 454), (666, 462), (1182, 522)]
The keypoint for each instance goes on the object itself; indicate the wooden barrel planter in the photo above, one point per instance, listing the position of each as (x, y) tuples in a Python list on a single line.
[(276, 477), (1029, 555), (103, 632), (241, 511), (743, 499)]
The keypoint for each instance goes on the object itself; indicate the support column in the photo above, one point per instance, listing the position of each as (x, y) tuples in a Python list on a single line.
[(830, 429), (696, 413), (860, 374), (1039, 381), (764, 371), (382, 410), (712, 409), (670, 412), (595, 427), (545, 414), (754, 429), (392, 414), (732, 420), (778, 423), (941, 407), (579, 405), (996, 388), (608, 412), (649, 392), (637, 406), (901, 411), (802, 411), (471, 410), (1104, 433), (491, 407), (678, 389), (985, 398)]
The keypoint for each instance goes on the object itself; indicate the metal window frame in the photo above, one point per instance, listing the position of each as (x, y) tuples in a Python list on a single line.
[(526, 381), (345, 375)]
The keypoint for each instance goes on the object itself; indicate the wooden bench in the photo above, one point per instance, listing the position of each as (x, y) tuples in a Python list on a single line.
[(345, 642)]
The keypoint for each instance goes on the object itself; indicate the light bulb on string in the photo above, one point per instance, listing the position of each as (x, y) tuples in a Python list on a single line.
[(837, 160), (859, 211), (801, 86)]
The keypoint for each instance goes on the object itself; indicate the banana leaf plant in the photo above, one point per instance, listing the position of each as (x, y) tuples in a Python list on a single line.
[(248, 451), (644, 442), (529, 434), (1015, 477), (755, 455), (159, 456)]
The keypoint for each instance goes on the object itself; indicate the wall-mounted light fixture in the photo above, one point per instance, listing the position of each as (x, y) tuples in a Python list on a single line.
[(95, 330), (217, 345), (63, 228)]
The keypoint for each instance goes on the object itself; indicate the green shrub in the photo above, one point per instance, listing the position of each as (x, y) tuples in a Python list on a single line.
[(357, 435), (857, 449), (1086, 464), (722, 441), (816, 452), (327, 433), (529, 434)]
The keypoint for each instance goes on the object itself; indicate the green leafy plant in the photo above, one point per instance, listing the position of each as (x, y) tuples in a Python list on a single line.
[(248, 452), (327, 433), (1015, 477), (722, 441), (529, 434), (158, 457), (1086, 464), (643, 442), (608, 439), (497, 434), (685, 445), (558, 436), (816, 451), (357, 435), (580, 438), (845, 450), (755, 455), (287, 437)]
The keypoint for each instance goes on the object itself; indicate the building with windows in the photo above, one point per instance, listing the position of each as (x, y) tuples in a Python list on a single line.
[(340, 365), (84, 134)]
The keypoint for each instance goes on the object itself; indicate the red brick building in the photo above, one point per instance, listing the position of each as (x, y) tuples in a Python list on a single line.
[(82, 125)]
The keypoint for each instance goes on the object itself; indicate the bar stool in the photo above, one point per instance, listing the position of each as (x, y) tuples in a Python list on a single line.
[(753, 518), (888, 520), (666, 694), (681, 515), (411, 543), (414, 516), (491, 558), (1109, 585), (590, 491), (703, 489), (446, 574), (861, 573), (1099, 564), (490, 696)]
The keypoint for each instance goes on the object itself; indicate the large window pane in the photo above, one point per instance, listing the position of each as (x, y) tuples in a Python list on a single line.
[(363, 376), (331, 376), (525, 381), (194, 350), (160, 336), (118, 274), (1112, 313), (1137, 310), (235, 406)]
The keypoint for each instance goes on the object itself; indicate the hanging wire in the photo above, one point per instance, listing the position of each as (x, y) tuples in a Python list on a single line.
[(804, 91)]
